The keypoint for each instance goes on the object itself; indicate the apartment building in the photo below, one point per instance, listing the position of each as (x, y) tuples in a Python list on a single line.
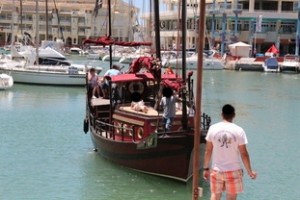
[(260, 23), (69, 20)]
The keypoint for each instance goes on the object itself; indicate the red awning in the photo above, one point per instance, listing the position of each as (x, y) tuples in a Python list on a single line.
[(105, 40), (132, 77)]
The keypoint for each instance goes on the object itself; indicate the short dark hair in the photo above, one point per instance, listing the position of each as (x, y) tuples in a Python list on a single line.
[(228, 111), (115, 67), (92, 69), (167, 92)]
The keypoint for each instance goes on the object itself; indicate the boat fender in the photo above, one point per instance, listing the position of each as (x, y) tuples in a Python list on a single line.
[(85, 125), (136, 87), (162, 24)]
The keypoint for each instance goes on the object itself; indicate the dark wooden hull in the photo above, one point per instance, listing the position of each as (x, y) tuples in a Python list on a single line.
[(170, 158), (137, 139)]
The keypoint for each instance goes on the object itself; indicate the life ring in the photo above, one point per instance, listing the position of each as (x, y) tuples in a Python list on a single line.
[(130, 131), (117, 127), (136, 87), (124, 128), (140, 133)]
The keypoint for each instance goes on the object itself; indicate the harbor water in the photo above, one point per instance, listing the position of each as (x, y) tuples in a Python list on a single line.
[(44, 153)]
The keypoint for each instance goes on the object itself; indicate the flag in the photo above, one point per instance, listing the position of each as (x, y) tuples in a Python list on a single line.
[(258, 23), (98, 5), (273, 50)]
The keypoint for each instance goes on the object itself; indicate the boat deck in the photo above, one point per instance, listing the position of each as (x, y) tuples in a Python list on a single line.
[(99, 102)]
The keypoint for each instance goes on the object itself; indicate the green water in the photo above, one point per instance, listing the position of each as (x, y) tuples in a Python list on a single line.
[(44, 153)]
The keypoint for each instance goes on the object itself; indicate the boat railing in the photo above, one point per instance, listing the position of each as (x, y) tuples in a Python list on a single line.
[(205, 122), (104, 128), (291, 58), (111, 130)]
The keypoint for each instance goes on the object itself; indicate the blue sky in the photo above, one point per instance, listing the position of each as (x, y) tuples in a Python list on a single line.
[(140, 4)]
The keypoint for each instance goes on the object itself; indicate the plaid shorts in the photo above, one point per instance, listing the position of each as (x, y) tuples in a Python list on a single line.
[(230, 181)]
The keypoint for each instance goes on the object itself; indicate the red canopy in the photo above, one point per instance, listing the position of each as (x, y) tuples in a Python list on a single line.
[(105, 40), (132, 77), (273, 49)]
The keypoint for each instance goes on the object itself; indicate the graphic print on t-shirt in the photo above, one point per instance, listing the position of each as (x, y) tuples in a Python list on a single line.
[(225, 138)]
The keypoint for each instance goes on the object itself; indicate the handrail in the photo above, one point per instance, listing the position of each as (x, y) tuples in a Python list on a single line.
[(99, 124)]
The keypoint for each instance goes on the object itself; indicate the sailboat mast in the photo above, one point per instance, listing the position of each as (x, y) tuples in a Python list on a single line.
[(47, 31), (183, 39), (198, 104), (224, 18), (109, 32), (21, 17), (37, 37), (298, 30), (157, 29)]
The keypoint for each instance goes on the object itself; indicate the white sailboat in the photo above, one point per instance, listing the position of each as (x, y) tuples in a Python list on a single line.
[(210, 62), (44, 66)]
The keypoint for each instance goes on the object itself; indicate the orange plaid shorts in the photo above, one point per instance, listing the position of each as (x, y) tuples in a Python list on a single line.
[(229, 181)]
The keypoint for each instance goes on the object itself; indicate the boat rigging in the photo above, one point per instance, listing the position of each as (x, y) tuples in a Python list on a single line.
[(135, 137)]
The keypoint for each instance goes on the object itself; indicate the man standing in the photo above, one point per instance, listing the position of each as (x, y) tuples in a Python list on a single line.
[(168, 103), (104, 85), (225, 145)]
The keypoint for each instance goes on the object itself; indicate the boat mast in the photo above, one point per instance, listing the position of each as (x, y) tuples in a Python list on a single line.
[(298, 30), (198, 104), (213, 24), (157, 41), (60, 31), (21, 17), (183, 40), (223, 34), (157, 29), (109, 33), (37, 37), (46, 2), (236, 12)]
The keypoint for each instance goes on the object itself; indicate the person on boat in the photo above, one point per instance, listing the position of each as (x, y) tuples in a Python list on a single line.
[(168, 103), (225, 145), (169, 70), (93, 82), (139, 106), (115, 70), (150, 64)]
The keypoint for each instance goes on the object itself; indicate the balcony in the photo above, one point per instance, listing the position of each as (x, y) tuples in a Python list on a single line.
[(220, 8)]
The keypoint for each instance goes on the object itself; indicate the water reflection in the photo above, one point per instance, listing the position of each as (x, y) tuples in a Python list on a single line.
[(6, 97)]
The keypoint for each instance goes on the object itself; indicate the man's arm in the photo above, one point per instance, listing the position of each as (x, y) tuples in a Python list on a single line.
[(207, 158), (246, 160)]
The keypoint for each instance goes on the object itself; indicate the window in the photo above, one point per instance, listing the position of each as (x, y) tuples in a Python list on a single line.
[(287, 27), (287, 6)]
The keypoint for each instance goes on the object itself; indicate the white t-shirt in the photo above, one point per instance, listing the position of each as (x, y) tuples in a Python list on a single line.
[(226, 137), (168, 106)]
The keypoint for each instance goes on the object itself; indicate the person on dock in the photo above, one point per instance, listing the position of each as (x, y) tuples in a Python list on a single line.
[(225, 144)]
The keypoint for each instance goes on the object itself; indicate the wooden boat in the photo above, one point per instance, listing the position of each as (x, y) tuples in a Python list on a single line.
[(136, 138)]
